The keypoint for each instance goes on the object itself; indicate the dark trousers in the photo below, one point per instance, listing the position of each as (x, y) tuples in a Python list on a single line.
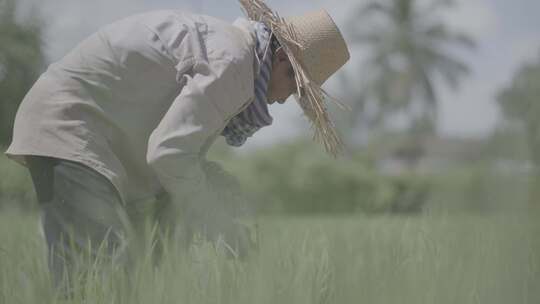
[(82, 213)]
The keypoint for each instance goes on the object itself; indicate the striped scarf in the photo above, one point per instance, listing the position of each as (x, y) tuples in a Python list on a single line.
[(256, 115)]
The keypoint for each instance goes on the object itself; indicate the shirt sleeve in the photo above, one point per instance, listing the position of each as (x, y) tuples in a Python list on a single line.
[(177, 146)]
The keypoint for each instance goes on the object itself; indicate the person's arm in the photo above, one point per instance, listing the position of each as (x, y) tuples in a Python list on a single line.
[(178, 144)]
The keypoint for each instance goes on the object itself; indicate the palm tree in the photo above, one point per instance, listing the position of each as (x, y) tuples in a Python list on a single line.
[(519, 103), (21, 61), (408, 46)]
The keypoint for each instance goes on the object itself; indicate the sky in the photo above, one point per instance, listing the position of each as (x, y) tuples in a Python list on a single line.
[(507, 34)]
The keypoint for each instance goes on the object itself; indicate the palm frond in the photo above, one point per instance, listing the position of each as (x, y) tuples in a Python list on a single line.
[(374, 7), (439, 34), (436, 5)]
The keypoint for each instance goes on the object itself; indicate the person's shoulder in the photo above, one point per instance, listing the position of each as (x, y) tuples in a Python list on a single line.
[(158, 20), (221, 40), (226, 41)]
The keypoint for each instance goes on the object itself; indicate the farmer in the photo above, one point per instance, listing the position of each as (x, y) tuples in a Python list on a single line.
[(129, 114)]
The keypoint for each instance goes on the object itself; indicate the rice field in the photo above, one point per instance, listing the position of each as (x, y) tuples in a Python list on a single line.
[(426, 259)]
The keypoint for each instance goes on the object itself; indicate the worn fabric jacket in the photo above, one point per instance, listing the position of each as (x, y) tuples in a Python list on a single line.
[(141, 101)]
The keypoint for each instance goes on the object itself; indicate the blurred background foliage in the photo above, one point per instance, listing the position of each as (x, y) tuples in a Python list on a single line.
[(407, 169), (22, 60)]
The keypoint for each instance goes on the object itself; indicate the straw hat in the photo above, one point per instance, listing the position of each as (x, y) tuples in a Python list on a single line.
[(316, 50)]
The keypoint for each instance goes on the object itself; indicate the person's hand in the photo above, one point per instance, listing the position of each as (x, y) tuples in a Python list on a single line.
[(227, 189), (234, 237), (239, 241)]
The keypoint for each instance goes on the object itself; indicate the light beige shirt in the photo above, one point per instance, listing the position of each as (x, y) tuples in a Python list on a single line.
[(141, 101)]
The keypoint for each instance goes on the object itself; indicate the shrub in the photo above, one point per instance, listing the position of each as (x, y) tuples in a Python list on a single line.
[(298, 178), (15, 185)]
